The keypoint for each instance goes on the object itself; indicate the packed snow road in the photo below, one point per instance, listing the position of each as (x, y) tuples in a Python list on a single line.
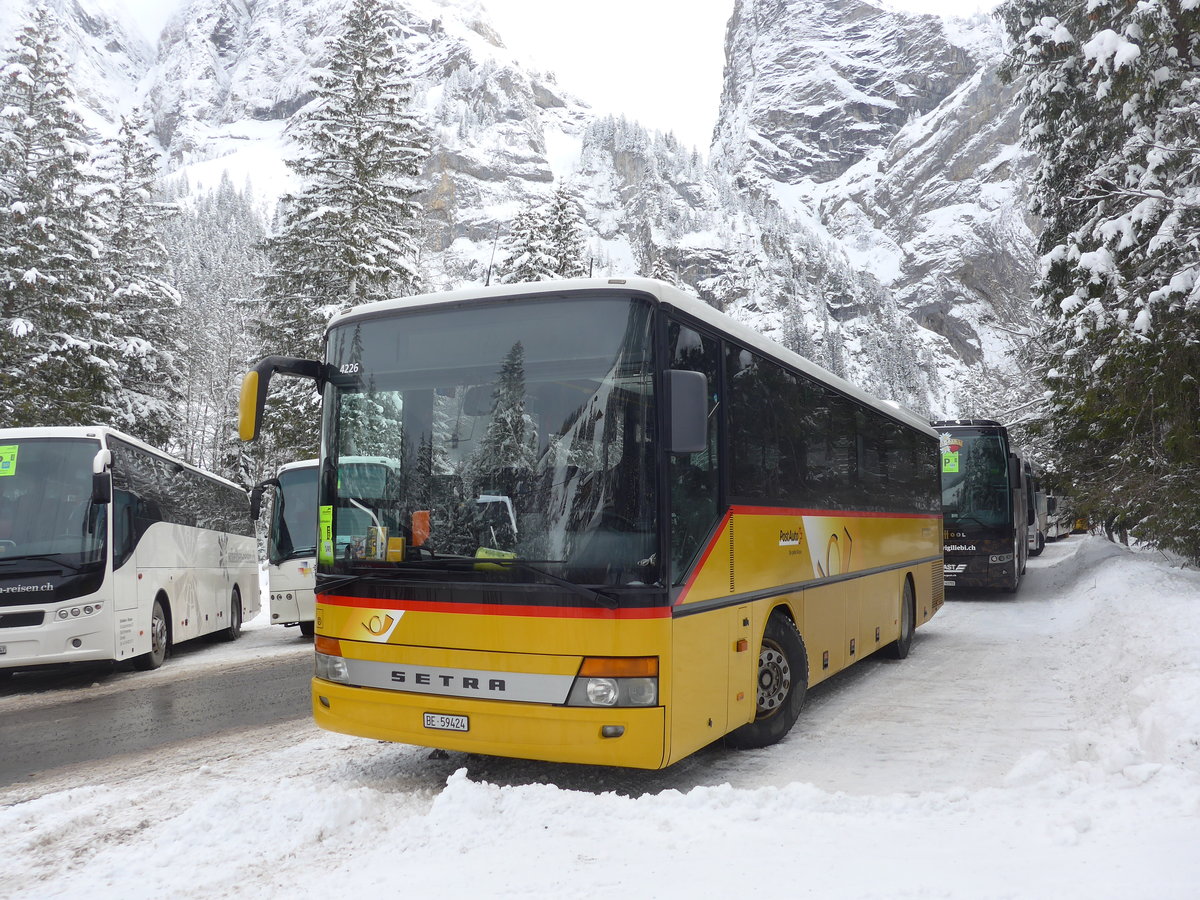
[(1043, 745)]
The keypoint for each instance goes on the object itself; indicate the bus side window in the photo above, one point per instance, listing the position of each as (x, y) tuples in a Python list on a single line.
[(693, 476), (122, 513)]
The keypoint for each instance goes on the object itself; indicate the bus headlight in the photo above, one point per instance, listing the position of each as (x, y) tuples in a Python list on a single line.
[(332, 668), (616, 681), (602, 691)]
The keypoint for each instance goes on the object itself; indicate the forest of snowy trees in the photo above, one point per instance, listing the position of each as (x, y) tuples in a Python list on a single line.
[(129, 300), (1112, 107)]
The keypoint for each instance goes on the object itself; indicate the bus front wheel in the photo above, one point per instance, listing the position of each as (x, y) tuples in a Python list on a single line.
[(159, 639), (782, 685)]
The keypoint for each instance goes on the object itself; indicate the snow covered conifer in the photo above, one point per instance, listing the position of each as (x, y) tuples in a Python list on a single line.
[(53, 364), (349, 235), (144, 306), (1112, 98), (527, 249), (565, 228)]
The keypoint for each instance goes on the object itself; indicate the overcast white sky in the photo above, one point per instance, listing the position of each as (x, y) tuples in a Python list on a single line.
[(656, 61)]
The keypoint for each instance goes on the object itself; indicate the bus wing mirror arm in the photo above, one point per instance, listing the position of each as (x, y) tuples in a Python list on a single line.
[(256, 495), (687, 392), (255, 382)]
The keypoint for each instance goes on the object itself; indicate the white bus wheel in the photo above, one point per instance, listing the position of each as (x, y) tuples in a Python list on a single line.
[(160, 639), (234, 630)]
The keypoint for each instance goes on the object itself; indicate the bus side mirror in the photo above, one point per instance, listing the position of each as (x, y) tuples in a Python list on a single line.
[(256, 495), (101, 477), (687, 393), (254, 387)]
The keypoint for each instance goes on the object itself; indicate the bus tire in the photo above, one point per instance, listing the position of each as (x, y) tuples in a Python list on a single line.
[(898, 649), (782, 684), (234, 631), (160, 638), (308, 629)]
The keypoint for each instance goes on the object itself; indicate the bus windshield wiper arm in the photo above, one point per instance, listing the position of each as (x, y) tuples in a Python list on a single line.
[(443, 563), (48, 556), (606, 600)]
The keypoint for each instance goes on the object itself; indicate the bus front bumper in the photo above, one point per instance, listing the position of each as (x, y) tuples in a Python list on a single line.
[(496, 728)]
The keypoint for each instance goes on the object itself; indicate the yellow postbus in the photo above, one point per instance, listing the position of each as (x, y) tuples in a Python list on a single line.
[(624, 526)]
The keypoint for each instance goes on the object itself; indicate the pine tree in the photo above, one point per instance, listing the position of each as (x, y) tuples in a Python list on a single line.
[(565, 233), (349, 235), (1112, 97), (144, 306), (527, 252), (214, 257), (54, 365)]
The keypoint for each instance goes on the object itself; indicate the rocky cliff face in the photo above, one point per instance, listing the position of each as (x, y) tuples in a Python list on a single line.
[(896, 133), (863, 205), (106, 51)]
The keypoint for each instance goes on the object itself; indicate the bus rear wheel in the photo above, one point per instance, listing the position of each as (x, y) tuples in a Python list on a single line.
[(159, 639), (782, 686), (234, 630), (899, 648)]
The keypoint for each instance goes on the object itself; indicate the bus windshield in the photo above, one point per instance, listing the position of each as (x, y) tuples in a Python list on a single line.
[(521, 433), (294, 515), (975, 488), (45, 501)]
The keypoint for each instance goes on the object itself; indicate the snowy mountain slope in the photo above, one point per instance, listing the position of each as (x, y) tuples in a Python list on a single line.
[(1030, 746), (105, 48), (895, 133), (871, 239), (811, 86)]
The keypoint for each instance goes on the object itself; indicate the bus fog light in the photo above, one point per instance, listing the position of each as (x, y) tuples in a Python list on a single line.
[(612, 731), (602, 691), (332, 668), (641, 691)]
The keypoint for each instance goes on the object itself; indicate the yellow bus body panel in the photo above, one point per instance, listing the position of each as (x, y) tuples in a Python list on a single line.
[(707, 647), (497, 727)]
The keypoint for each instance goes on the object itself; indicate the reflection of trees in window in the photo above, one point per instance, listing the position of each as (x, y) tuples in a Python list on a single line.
[(508, 452)]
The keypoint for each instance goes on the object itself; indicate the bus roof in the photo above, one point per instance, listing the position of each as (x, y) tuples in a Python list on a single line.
[(312, 463), (667, 295), (102, 433)]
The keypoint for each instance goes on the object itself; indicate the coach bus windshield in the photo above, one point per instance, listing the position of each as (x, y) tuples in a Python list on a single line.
[(293, 530), (46, 509), (975, 488), (522, 435)]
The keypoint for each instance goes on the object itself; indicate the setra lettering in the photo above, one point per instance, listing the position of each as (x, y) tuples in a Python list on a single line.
[(448, 681)]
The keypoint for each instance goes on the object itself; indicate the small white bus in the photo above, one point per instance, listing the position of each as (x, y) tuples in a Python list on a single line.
[(291, 543), (113, 550)]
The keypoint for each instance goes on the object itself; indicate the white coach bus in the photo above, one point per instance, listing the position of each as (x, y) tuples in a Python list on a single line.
[(112, 550)]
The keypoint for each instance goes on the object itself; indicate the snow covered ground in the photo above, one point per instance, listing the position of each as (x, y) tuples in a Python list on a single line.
[(1046, 745)]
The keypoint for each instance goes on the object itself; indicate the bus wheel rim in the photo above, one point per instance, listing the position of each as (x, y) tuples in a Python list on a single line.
[(158, 633), (774, 679)]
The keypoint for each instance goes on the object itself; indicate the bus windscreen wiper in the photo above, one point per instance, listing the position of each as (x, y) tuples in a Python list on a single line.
[(442, 564), (53, 557)]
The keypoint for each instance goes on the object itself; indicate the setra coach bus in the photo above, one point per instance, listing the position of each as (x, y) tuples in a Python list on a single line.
[(626, 525)]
